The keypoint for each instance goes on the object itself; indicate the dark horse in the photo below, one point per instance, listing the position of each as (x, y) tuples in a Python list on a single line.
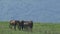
[(27, 25), (14, 23)]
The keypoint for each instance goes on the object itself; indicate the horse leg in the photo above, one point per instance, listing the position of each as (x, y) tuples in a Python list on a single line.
[(15, 27), (22, 27), (25, 27), (19, 27), (31, 28), (10, 26)]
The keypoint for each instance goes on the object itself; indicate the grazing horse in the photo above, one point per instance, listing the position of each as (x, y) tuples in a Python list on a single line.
[(14, 23), (27, 25)]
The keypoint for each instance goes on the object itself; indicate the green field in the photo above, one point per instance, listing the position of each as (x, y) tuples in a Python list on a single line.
[(38, 28)]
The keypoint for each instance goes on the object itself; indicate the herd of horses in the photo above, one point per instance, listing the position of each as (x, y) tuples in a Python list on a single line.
[(21, 25)]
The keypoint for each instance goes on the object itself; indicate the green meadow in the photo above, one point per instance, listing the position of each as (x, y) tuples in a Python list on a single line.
[(38, 28)]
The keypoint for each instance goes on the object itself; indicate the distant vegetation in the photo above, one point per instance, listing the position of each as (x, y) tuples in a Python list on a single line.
[(39, 28)]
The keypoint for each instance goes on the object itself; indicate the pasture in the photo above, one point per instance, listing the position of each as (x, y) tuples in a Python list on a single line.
[(38, 28)]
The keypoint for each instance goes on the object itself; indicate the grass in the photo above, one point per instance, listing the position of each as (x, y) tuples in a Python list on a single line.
[(38, 28)]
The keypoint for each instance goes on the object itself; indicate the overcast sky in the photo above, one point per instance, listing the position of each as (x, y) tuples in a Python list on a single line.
[(36, 10)]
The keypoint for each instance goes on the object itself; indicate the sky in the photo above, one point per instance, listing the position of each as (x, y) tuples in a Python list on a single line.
[(35, 10)]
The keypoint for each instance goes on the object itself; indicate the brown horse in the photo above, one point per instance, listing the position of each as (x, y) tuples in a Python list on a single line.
[(27, 25), (14, 23)]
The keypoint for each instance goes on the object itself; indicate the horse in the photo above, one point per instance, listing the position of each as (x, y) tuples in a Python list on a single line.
[(21, 24), (27, 25), (14, 23)]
